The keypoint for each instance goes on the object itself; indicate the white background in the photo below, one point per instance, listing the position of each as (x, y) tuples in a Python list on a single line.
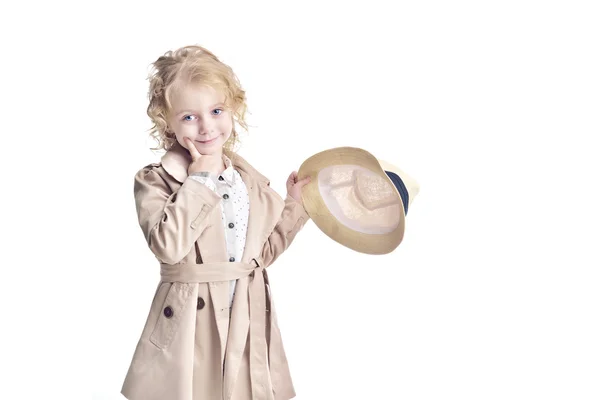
[(492, 106)]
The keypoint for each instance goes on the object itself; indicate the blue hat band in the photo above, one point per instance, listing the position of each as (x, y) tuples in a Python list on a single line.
[(401, 189)]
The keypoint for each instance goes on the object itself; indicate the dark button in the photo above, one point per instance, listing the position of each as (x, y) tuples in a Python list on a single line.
[(225, 196), (232, 259), (231, 225), (220, 178), (168, 311), (201, 303)]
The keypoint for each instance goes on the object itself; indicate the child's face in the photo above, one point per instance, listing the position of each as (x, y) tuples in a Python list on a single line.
[(198, 112)]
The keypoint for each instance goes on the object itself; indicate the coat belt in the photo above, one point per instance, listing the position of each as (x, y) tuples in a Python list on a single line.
[(226, 271)]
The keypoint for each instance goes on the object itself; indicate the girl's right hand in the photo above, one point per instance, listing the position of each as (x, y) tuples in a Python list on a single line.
[(203, 162)]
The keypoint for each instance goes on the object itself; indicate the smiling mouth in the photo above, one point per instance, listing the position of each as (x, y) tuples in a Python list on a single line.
[(207, 141)]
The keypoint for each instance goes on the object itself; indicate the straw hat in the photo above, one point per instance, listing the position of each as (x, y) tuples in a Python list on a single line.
[(356, 199)]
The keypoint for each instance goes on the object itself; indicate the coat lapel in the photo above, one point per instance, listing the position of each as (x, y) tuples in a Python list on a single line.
[(250, 249)]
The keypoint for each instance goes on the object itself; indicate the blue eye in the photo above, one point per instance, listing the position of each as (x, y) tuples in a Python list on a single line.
[(185, 118), (218, 109)]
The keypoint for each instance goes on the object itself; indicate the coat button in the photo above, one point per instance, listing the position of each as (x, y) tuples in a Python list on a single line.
[(201, 303), (225, 196), (231, 225), (232, 259), (168, 311), (220, 178)]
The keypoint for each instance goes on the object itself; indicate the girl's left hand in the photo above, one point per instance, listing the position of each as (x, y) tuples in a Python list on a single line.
[(294, 186)]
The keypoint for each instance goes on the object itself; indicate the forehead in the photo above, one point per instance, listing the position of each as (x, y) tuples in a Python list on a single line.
[(195, 97)]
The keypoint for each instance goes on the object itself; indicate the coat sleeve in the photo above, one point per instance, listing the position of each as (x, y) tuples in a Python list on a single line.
[(171, 222), (292, 220)]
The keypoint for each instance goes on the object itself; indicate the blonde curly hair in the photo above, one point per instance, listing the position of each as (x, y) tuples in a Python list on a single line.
[(191, 64)]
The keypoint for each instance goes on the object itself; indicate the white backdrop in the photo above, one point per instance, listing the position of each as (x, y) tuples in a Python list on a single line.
[(491, 106)]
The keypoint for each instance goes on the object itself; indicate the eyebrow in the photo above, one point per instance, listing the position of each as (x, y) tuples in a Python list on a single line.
[(192, 111)]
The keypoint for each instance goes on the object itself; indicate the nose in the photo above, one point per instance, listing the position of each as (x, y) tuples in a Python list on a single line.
[(207, 127)]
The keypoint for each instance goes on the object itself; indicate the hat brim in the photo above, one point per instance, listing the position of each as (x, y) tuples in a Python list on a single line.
[(322, 217)]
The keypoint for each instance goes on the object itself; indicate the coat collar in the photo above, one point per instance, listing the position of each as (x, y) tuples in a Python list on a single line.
[(228, 175), (177, 160)]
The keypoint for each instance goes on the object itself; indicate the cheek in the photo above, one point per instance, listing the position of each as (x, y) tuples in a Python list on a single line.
[(225, 126), (187, 129)]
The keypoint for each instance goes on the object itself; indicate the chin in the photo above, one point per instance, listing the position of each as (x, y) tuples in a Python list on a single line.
[(212, 149), (207, 152)]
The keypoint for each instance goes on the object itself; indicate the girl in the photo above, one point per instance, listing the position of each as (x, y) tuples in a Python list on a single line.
[(214, 224)]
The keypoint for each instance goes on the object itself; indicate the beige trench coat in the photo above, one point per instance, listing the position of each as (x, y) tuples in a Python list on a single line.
[(193, 347)]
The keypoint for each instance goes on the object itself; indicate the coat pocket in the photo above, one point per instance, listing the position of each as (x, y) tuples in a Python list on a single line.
[(171, 312)]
